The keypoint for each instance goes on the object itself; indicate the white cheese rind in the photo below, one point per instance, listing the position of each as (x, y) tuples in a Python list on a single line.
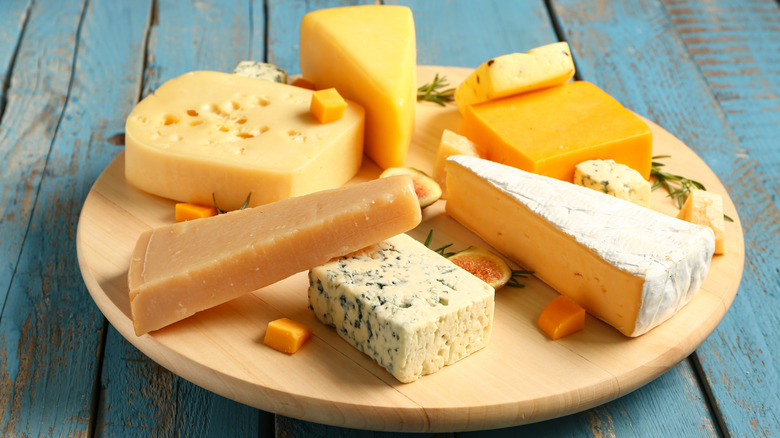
[(671, 256), (403, 305)]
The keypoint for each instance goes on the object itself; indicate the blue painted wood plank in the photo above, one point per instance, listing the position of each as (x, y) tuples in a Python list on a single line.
[(11, 24), (49, 316), (627, 48), (284, 38), (35, 100), (139, 397)]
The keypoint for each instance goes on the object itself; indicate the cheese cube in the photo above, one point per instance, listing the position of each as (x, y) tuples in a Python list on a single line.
[(210, 134), (614, 179), (549, 131), (369, 54), (706, 208), (183, 268), (628, 265), (405, 306), (327, 105), (286, 335), (451, 144), (516, 73)]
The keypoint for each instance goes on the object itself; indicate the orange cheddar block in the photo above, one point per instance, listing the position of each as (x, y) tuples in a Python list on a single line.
[(183, 268), (286, 335), (561, 317), (303, 83), (187, 212), (327, 105), (706, 208), (550, 131)]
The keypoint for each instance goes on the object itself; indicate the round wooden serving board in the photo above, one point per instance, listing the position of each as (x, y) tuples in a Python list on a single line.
[(521, 377)]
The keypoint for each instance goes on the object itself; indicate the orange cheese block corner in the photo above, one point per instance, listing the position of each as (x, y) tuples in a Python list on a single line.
[(286, 335), (186, 267), (550, 131)]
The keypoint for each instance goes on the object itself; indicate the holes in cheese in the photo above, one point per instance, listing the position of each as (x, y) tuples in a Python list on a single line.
[(209, 132), (183, 268), (550, 131), (628, 265)]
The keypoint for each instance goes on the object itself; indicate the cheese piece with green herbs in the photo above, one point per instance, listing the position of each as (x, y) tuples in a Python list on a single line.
[(614, 179), (261, 70), (404, 305), (207, 135), (516, 73)]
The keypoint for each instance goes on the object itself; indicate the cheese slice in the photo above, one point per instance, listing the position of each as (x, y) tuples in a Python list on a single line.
[(549, 131), (183, 268), (706, 208), (210, 134), (516, 73), (405, 306), (368, 54), (628, 265)]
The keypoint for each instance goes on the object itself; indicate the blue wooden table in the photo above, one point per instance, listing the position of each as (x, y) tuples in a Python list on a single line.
[(71, 70)]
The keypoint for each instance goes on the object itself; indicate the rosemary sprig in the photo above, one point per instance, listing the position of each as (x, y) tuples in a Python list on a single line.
[(432, 92), (682, 185), (220, 211), (513, 280)]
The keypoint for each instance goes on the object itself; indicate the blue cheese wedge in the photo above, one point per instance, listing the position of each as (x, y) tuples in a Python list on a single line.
[(614, 179), (261, 70), (630, 266), (405, 306)]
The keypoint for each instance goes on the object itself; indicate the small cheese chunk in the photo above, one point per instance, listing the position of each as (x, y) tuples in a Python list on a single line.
[(561, 318), (303, 83), (368, 53), (327, 105), (516, 73), (286, 335), (183, 268), (614, 179), (706, 208), (549, 131), (405, 306), (210, 134), (628, 265), (261, 70), (451, 144), (187, 212)]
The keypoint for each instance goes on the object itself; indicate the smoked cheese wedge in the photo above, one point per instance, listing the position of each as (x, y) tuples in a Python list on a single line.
[(186, 267)]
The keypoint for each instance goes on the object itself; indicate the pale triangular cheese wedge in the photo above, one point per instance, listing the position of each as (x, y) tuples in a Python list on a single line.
[(368, 53)]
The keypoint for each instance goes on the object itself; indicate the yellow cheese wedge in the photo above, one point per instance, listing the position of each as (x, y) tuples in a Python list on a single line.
[(706, 208), (550, 131), (368, 54), (207, 133), (183, 268), (516, 73), (451, 144), (626, 264)]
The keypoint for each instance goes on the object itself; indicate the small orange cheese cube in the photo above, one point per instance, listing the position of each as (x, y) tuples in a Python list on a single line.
[(286, 335), (303, 83), (561, 317), (550, 131), (327, 105), (187, 212)]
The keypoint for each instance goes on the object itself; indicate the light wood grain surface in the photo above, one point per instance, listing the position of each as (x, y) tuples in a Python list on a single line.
[(330, 382)]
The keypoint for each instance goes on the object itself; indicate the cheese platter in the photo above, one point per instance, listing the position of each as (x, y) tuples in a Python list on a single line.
[(520, 377)]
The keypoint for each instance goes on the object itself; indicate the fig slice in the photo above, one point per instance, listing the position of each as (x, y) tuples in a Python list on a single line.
[(484, 265), (427, 189)]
